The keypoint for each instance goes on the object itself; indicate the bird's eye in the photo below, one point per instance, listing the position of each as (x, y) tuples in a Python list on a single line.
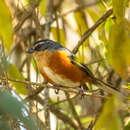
[(38, 48)]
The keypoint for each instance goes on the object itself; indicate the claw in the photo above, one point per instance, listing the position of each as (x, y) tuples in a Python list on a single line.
[(56, 91), (81, 92)]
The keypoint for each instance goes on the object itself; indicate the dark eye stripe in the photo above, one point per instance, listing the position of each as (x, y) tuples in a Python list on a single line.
[(38, 47)]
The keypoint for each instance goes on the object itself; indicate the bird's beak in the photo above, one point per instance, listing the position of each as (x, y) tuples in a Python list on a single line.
[(30, 51)]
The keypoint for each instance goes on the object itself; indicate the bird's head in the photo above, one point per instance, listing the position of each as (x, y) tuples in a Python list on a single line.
[(43, 45)]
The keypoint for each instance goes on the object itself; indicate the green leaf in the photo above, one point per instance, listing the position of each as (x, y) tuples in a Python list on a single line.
[(127, 86), (80, 56), (4, 125), (86, 120), (14, 73), (26, 2), (6, 29), (118, 9), (42, 7), (102, 35), (109, 118), (101, 5), (94, 15), (81, 22), (61, 38), (119, 46), (4, 64), (78, 109), (34, 63), (81, 28), (108, 25), (127, 127), (11, 106)]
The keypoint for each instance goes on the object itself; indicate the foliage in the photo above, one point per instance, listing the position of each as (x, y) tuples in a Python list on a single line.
[(106, 51), (120, 42), (6, 30), (12, 107), (109, 119)]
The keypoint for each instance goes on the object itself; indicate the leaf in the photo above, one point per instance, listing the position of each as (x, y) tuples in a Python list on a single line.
[(118, 9), (35, 65), (61, 38), (102, 35), (127, 127), (86, 120), (94, 15), (42, 7), (109, 119), (78, 109), (119, 46), (11, 107), (4, 125), (101, 5), (81, 28), (81, 22), (80, 56), (14, 73), (108, 26), (127, 86), (4, 64), (6, 29)]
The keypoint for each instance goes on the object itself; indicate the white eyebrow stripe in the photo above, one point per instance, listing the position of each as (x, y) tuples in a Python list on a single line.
[(39, 43)]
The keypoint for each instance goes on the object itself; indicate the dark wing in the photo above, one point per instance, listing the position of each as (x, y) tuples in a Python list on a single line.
[(101, 84), (83, 67)]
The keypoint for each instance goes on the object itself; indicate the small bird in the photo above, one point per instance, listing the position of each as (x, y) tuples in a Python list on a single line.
[(58, 66)]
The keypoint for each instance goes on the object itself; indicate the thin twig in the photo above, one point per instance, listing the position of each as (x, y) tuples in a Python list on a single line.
[(26, 14), (44, 85), (91, 30), (94, 61), (64, 100), (74, 112), (49, 7), (35, 92), (60, 115)]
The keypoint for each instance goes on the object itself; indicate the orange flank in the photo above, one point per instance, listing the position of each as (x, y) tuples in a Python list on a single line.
[(60, 63)]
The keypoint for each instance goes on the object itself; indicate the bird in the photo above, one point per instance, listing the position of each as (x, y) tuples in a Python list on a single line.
[(58, 66)]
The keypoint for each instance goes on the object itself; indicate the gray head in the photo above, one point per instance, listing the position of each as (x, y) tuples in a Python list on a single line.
[(43, 45)]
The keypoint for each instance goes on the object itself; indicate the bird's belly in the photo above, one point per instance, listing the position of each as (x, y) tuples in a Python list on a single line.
[(59, 79)]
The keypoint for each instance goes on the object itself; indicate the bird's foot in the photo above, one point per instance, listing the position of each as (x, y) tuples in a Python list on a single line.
[(81, 92), (56, 89)]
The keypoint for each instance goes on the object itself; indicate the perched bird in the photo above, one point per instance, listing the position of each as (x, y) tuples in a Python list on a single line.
[(58, 66)]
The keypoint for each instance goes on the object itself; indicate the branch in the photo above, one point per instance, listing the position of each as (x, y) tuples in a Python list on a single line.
[(64, 100), (74, 112), (92, 29), (25, 15), (94, 61), (34, 93), (59, 114), (46, 35), (62, 88)]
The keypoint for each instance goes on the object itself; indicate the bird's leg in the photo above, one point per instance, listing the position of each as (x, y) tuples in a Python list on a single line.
[(83, 88), (57, 89), (81, 92)]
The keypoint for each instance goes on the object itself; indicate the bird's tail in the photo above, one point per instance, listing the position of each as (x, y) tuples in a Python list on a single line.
[(105, 86), (101, 84)]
